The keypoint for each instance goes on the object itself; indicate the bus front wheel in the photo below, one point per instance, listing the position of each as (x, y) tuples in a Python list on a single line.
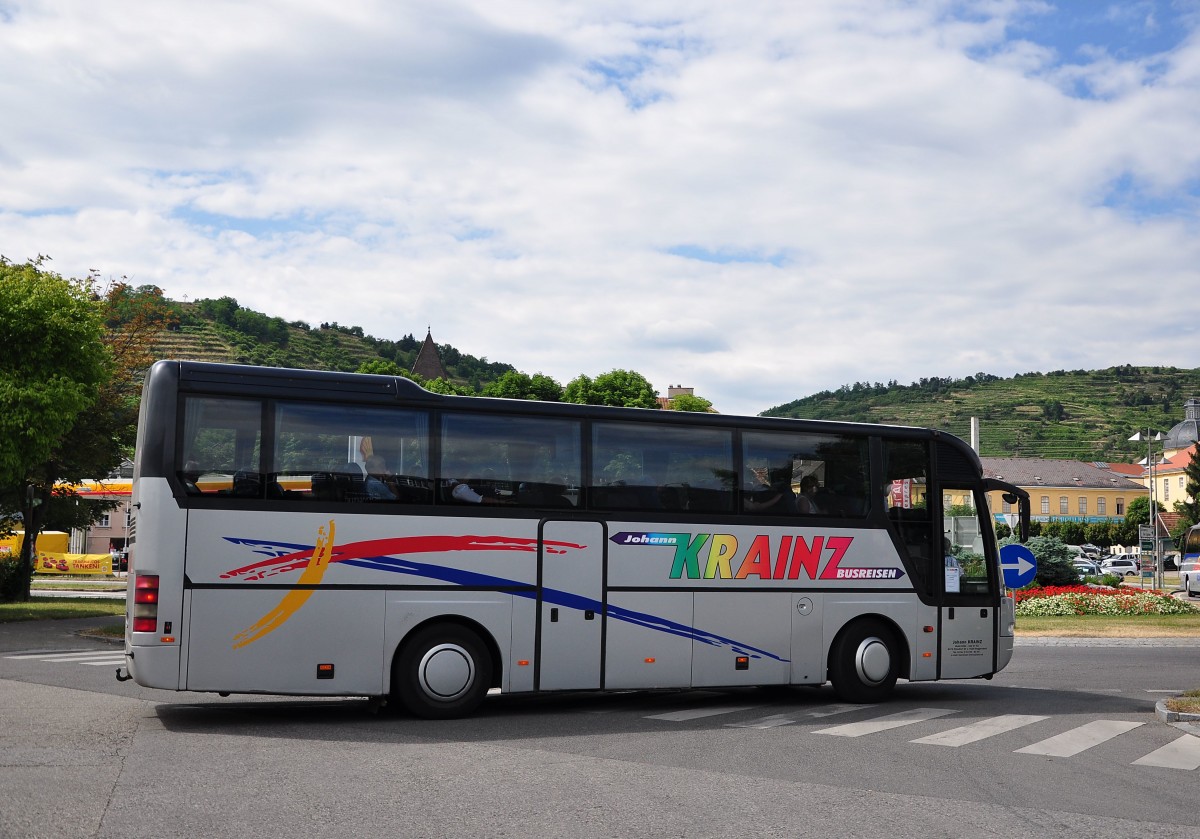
[(864, 662), (442, 672)]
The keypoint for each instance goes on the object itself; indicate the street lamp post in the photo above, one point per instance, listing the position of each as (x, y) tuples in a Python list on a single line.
[(1151, 439)]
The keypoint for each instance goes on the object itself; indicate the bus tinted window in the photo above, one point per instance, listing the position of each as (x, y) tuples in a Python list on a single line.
[(350, 453), (521, 461), (906, 471), (805, 474), (221, 447), (637, 466)]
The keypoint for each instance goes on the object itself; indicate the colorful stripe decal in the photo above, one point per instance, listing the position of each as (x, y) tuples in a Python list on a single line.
[(381, 555)]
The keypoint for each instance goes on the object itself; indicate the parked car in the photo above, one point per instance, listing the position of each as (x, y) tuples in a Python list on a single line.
[(1089, 550), (1192, 586), (1120, 565), (1086, 567)]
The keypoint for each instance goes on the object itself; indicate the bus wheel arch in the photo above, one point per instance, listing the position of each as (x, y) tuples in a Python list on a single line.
[(865, 659), (444, 667)]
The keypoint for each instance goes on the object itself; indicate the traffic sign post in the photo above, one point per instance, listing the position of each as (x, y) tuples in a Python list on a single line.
[(1018, 564)]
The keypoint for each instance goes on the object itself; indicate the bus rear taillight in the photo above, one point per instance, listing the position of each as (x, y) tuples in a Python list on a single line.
[(145, 603)]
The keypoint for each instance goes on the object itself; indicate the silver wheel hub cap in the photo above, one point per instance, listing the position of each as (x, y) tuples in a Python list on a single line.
[(872, 661), (446, 672)]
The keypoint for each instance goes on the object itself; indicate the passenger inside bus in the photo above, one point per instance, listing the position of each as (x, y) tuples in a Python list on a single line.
[(806, 503), (775, 496), (480, 490), (376, 485)]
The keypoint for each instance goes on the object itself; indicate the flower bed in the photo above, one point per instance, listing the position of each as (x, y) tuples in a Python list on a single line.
[(1057, 601)]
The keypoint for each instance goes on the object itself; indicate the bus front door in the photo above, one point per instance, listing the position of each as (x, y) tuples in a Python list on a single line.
[(570, 605)]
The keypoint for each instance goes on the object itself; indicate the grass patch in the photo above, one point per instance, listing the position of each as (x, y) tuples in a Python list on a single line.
[(59, 608), (101, 584), (1109, 626), (1186, 703)]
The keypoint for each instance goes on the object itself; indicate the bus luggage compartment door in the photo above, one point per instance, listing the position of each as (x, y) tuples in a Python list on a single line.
[(570, 605)]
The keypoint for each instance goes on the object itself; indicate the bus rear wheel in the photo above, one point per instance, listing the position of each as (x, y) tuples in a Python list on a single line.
[(442, 672), (864, 662)]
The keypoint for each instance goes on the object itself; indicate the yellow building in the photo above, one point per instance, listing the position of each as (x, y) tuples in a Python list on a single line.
[(1064, 490)]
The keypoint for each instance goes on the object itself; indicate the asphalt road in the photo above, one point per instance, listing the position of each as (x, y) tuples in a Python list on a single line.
[(1063, 743)]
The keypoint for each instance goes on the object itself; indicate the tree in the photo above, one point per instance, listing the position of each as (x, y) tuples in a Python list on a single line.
[(381, 367), (621, 388), (1137, 512), (690, 402), (516, 385), (1190, 510), (53, 371)]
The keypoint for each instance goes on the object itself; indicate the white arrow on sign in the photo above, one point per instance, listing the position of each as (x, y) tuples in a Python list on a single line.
[(1022, 565)]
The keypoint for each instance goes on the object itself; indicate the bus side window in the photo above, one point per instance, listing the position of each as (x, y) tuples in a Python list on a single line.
[(649, 467), (350, 454), (512, 461), (221, 444), (805, 474)]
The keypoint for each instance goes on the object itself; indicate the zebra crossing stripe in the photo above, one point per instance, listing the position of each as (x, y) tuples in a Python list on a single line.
[(105, 657), (698, 713), (61, 656), (1183, 753), (980, 730), (836, 708), (1079, 739), (886, 722), (773, 721)]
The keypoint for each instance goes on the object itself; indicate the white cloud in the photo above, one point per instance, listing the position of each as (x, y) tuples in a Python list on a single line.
[(760, 200)]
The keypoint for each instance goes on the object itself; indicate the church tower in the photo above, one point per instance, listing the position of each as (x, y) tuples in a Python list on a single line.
[(429, 364)]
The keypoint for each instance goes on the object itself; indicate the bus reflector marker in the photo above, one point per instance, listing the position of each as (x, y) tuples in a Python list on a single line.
[(926, 655), (742, 662), (928, 628), (649, 660), (324, 671), (523, 662), (167, 639)]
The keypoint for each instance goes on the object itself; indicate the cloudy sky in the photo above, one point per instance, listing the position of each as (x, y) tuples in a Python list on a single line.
[(758, 199)]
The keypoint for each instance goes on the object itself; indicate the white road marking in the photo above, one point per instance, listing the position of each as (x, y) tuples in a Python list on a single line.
[(886, 722), (1080, 739), (980, 730)]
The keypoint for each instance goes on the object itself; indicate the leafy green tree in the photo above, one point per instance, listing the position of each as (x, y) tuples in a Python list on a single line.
[(1190, 510), (1123, 531), (691, 402), (54, 367), (1137, 512), (621, 388), (517, 385), (446, 387), (1099, 533), (380, 366)]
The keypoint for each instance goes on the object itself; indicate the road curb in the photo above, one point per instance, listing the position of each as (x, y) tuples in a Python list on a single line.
[(1183, 721)]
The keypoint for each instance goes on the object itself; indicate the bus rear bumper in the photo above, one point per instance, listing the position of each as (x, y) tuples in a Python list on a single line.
[(1004, 651), (152, 667)]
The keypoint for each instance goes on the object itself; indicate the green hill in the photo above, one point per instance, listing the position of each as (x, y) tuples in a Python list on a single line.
[(221, 330), (1074, 415)]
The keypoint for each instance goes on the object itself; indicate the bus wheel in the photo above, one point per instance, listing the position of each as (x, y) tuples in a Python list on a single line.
[(442, 672), (864, 662)]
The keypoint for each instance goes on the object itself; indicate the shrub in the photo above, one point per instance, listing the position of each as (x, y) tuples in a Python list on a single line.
[(10, 578)]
